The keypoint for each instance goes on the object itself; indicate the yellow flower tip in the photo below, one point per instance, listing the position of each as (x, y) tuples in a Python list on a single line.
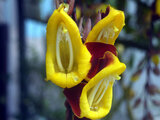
[(108, 29), (63, 6), (118, 77), (67, 59), (155, 59), (96, 96), (158, 7)]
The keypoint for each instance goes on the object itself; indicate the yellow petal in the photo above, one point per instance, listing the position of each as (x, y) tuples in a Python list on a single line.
[(99, 105), (107, 29), (67, 59)]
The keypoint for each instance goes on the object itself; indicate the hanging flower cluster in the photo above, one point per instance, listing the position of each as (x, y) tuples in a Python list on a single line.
[(86, 71)]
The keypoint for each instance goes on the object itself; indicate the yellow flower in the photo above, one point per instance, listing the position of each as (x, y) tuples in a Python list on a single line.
[(107, 29), (67, 59)]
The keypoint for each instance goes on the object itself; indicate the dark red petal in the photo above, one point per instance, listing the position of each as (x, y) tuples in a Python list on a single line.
[(98, 49), (100, 58), (105, 61), (73, 97), (99, 63)]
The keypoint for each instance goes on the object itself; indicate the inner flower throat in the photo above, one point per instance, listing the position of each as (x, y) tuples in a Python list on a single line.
[(96, 94), (64, 49), (107, 33)]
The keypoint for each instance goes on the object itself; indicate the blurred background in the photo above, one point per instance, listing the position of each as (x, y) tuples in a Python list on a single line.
[(24, 93)]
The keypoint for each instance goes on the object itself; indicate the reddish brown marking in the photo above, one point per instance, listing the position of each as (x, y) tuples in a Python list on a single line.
[(73, 97), (99, 59), (98, 49), (105, 14), (105, 61)]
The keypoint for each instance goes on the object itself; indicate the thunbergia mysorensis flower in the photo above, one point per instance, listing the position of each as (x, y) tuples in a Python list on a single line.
[(67, 58), (93, 99), (107, 29)]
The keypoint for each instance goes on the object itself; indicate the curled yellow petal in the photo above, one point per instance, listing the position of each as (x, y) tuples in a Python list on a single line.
[(107, 29), (67, 59), (96, 96)]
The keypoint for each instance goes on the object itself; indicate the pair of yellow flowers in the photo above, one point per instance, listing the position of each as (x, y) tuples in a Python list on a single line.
[(86, 71)]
